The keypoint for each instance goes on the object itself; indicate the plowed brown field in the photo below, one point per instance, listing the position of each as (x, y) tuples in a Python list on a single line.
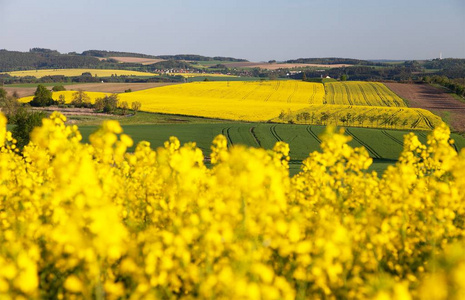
[(433, 99), (136, 60)]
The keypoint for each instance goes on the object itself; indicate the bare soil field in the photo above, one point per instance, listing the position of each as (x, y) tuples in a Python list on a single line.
[(433, 99), (93, 87), (275, 66), (21, 91), (136, 60)]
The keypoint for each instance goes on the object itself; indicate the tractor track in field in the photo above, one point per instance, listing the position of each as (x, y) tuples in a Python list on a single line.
[(391, 117), (274, 92), (375, 88), (313, 134), (225, 132), (455, 146), (362, 91), (422, 135), (275, 134), (252, 131), (417, 121), (349, 97), (368, 147), (251, 92), (292, 94), (392, 137), (312, 97), (427, 121)]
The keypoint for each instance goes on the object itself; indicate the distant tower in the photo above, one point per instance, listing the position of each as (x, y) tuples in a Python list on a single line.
[(440, 55)]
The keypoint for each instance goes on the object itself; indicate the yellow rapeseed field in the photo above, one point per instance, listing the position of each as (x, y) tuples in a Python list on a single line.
[(78, 72), (68, 96), (234, 100), (95, 222), (364, 116), (372, 104), (361, 93)]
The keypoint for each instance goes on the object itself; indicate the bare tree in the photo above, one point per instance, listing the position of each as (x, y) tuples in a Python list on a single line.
[(135, 106), (124, 107), (81, 99)]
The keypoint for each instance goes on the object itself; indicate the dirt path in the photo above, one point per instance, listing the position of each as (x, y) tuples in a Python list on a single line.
[(75, 111), (433, 99)]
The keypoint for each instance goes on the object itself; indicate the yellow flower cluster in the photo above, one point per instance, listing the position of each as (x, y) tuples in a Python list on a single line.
[(92, 221)]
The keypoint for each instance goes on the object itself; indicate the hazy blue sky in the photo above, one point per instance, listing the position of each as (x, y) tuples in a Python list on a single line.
[(257, 30)]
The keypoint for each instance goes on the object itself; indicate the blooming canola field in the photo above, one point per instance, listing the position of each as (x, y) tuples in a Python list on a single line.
[(361, 93), (235, 100), (92, 221), (365, 104), (362, 104), (364, 116)]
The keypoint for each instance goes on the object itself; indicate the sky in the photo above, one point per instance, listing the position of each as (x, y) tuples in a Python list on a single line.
[(256, 30)]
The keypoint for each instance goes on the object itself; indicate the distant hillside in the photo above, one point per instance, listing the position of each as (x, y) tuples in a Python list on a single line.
[(330, 61), (103, 53), (450, 67), (194, 57), (14, 60), (171, 64), (41, 58)]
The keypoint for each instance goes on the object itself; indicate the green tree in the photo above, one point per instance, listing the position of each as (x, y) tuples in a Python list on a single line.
[(25, 122), (58, 88), (304, 76), (99, 104), (110, 103), (81, 99), (42, 97), (9, 105), (3, 93)]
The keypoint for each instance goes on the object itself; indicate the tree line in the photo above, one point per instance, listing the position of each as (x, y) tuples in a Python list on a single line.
[(25, 119), (80, 99), (455, 86), (333, 61)]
